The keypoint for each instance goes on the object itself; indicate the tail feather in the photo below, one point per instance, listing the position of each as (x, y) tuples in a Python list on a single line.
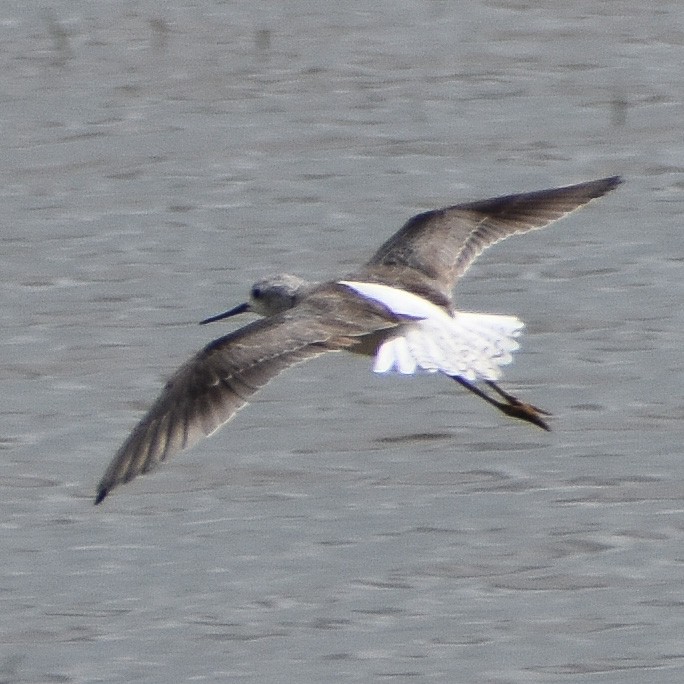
[(471, 345)]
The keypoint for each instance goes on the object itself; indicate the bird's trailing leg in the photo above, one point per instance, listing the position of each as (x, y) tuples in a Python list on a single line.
[(511, 407)]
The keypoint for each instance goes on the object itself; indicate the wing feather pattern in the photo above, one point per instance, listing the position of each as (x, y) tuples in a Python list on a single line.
[(211, 387), (442, 244)]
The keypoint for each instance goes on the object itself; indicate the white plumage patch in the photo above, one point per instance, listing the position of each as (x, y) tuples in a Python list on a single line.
[(471, 345)]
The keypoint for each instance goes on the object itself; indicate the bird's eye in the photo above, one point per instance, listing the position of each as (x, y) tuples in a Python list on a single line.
[(256, 292)]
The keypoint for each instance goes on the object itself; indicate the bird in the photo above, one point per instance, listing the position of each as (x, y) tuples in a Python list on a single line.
[(397, 308)]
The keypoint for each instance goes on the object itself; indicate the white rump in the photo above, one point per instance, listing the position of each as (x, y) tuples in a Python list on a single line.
[(470, 345)]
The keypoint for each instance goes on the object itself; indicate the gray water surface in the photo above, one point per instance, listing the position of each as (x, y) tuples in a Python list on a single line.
[(157, 158)]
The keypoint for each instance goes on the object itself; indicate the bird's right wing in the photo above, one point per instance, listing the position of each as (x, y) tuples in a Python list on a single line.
[(442, 244), (210, 388)]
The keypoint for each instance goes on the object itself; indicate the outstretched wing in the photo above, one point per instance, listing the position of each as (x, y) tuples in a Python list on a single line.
[(210, 388), (442, 244)]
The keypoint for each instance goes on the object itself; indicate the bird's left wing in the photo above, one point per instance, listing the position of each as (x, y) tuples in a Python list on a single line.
[(207, 391)]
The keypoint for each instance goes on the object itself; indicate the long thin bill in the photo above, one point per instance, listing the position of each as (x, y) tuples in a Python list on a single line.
[(242, 308)]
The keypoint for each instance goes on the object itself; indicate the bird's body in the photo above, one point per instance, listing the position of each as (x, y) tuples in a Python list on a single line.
[(398, 307)]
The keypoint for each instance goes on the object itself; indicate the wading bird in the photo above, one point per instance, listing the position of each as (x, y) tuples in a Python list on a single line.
[(397, 308)]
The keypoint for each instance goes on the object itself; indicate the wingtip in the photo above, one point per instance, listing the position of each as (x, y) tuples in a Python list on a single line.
[(101, 494), (597, 187), (613, 181), (593, 189)]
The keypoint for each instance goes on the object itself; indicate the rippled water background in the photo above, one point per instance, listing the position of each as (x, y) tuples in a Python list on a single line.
[(156, 159)]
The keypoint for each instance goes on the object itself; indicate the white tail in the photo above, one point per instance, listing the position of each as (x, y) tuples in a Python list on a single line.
[(471, 345)]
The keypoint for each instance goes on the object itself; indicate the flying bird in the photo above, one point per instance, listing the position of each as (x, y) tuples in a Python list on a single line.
[(397, 308)]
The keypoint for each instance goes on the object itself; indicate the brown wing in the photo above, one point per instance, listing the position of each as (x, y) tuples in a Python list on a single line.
[(442, 244), (208, 390)]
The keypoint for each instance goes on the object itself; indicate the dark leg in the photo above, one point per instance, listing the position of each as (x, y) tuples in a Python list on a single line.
[(511, 407)]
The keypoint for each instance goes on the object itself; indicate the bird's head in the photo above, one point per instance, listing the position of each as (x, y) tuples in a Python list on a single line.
[(268, 297)]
